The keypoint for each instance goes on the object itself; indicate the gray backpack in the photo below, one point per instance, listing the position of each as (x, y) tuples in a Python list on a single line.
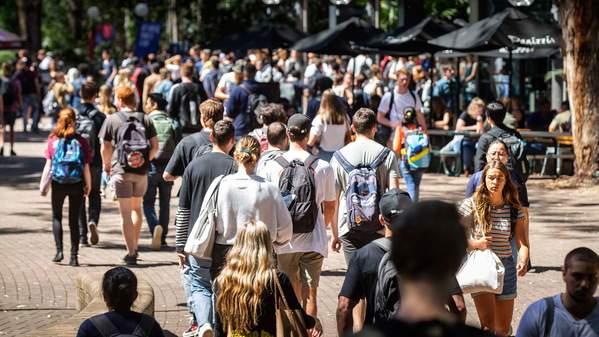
[(108, 329)]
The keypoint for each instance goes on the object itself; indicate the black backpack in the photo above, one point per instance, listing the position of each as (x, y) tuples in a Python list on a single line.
[(107, 329), (386, 293), (132, 143), (299, 192), (86, 128), (517, 152), (256, 102), (189, 113)]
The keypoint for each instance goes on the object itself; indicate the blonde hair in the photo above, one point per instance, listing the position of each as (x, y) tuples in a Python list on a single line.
[(331, 111), (247, 150), (474, 103), (105, 100), (66, 124), (247, 274), (123, 78), (482, 196)]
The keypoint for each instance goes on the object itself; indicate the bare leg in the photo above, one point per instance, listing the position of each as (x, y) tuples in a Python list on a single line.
[(136, 218), (503, 316), (485, 307), (127, 224), (11, 136), (311, 302), (359, 314)]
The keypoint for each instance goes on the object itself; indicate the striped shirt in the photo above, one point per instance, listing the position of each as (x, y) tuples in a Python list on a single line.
[(500, 226)]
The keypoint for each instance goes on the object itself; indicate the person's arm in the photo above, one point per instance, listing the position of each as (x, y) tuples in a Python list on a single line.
[(329, 212), (393, 168), (383, 110), (344, 315), (522, 242), (107, 155), (461, 126), (444, 123), (87, 180), (154, 148), (283, 220), (46, 179), (220, 93), (470, 187)]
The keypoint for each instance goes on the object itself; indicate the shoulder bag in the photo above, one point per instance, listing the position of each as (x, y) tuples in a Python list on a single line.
[(290, 322)]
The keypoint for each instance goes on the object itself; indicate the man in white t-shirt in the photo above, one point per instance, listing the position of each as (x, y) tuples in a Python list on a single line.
[(390, 114), (301, 260), (234, 77)]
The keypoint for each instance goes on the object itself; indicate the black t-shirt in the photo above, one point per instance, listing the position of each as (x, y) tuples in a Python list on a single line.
[(98, 118), (362, 275), (125, 322), (467, 119), (186, 151), (397, 328), (185, 103), (197, 178)]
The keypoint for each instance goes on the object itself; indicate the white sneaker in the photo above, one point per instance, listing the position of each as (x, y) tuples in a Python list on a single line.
[(156, 238), (206, 331)]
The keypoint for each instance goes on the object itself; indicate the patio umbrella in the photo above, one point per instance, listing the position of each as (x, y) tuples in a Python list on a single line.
[(9, 40), (343, 39), (269, 36), (414, 39)]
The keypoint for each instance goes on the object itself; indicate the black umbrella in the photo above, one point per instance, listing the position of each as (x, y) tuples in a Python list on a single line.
[(343, 39), (414, 39), (269, 36)]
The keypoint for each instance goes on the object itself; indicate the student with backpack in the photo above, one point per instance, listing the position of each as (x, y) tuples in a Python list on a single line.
[(307, 186), (168, 134), (278, 143), (364, 170), (184, 98), (89, 123), (67, 173), (269, 114), (245, 103), (129, 144), (119, 291), (413, 148)]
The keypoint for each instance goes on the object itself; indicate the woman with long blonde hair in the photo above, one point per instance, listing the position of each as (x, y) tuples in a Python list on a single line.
[(105, 100), (67, 172), (247, 285), (330, 128), (494, 216)]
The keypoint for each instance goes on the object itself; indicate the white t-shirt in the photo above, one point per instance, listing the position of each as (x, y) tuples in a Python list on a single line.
[(401, 103), (332, 136), (324, 181), (226, 81)]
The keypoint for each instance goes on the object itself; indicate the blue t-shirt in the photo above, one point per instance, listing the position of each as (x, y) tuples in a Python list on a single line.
[(125, 322), (532, 323)]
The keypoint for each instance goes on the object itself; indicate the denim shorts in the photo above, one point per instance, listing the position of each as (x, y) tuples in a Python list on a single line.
[(510, 280)]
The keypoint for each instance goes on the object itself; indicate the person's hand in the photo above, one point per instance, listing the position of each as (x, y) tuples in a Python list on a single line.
[(86, 189), (182, 259), (483, 243), (44, 193), (522, 267), (316, 331), (335, 244), (107, 168)]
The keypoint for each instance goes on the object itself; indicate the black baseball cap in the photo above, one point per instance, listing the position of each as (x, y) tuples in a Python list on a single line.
[(298, 124), (393, 203)]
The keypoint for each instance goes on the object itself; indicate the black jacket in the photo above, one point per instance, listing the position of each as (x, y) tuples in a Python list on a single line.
[(498, 131)]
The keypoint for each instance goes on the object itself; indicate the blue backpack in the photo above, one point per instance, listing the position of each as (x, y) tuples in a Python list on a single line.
[(67, 162), (362, 193), (417, 150)]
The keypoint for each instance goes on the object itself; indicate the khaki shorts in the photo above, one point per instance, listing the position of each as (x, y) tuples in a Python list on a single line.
[(129, 185), (304, 267)]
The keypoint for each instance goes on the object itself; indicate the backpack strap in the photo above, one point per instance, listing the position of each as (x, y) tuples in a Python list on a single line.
[(413, 97), (343, 162), (104, 325), (282, 161), (144, 328), (384, 243), (309, 161), (391, 101), (379, 158), (549, 313), (122, 116)]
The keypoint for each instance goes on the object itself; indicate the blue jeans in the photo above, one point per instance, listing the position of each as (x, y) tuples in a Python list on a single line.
[(157, 184), (30, 100), (468, 150), (198, 289), (412, 179)]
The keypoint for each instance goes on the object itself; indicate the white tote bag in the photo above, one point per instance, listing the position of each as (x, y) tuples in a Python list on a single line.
[(201, 238), (481, 272)]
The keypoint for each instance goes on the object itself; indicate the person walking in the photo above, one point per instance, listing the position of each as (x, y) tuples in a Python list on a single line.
[(238, 107), (310, 181), (195, 273), (89, 123), (493, 215), (129, 143), (278, 143), (10, 90), (330, 128), (67, 173), (573, 313), (168, 134), (255, 280), (184, 98)]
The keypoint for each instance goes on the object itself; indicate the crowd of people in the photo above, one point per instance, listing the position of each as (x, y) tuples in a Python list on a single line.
[(272, 153)]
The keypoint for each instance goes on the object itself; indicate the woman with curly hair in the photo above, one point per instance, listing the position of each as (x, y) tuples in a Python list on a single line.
[(493, 216), (248, 287)]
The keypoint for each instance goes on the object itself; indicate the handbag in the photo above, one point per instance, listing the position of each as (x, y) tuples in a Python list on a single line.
[(201, 238), (482, 271), (290, 322)]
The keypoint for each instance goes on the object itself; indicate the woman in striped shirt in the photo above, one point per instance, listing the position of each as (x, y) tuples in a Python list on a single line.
[(494, 215)]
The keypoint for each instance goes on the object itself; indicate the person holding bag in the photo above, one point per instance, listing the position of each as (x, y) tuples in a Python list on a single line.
[(252, 298), (67, 173), (494, 215)]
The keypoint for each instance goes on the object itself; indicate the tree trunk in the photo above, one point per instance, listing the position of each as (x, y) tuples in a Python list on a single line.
[(75, 18), (581, 66), (30, 23)]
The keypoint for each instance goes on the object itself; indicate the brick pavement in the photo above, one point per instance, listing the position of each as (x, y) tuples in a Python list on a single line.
[(35, 292)]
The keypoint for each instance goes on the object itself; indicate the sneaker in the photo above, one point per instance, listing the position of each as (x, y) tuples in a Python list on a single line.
[(130, 260), (156, 238), (206, 330), (192, 331), (93, 233)]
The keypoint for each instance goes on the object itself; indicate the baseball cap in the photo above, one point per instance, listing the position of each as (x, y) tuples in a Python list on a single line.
[(298, 124), (393, 203), (238, 67)]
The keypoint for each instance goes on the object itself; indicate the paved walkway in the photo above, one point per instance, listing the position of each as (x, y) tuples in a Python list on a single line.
[(34, 292)]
